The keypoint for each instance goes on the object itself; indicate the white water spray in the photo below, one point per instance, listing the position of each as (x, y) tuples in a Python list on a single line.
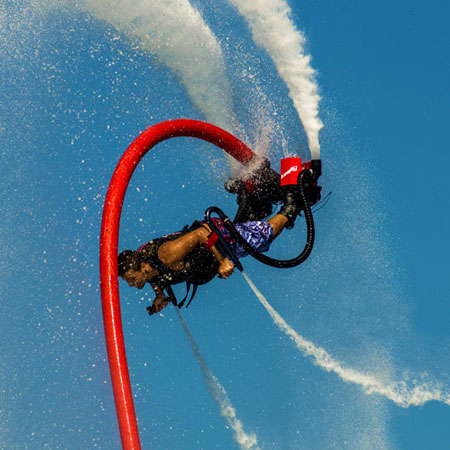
[(401, 393), (176, 33), (245, 441), (273, 29)]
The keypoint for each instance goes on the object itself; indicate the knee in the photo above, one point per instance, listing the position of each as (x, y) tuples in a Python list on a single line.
[(277, 222)]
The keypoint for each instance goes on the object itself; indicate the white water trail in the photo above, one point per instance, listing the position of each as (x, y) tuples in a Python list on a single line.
[(176, 33), (402, 393), (245, 441), (273, 29)]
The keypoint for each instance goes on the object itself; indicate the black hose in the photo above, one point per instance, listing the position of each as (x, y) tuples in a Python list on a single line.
[(221, 245), (304, 177)]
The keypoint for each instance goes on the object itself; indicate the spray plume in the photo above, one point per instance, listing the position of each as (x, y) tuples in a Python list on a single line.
[(245, 441), (273, 29), (176, 33), (399, 392)]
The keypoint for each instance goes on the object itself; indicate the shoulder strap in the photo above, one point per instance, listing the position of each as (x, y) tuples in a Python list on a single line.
[(194, 291), (149, 253), (172, 297), (188, 288)]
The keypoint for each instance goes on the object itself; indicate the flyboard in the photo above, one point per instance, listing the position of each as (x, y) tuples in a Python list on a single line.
[(255, 195)]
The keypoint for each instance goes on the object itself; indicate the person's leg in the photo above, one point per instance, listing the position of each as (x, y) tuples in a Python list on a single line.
[(278, 222), (172, 253)]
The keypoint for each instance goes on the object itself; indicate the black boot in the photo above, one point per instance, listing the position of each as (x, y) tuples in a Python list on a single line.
[(290, 208)]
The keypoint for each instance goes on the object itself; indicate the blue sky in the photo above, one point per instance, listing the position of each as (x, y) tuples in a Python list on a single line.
[(374, 294)]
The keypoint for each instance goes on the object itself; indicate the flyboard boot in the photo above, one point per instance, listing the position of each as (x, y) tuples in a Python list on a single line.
[(290, 170), (299, 184)]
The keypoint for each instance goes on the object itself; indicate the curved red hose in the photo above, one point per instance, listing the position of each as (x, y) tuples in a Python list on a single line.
[(109, 238)]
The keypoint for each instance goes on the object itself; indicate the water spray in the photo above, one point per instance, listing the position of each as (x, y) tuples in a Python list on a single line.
[(176, 33), (401, 393), (246, 441), (273, 29)]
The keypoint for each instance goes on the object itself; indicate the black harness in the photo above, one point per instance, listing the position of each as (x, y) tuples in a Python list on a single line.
[(200, 266)]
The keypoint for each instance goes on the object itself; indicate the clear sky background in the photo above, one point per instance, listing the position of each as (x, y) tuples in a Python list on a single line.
[(76, 90)]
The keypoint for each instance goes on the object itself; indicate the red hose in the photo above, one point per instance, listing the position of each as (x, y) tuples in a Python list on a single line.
[(109, 238)]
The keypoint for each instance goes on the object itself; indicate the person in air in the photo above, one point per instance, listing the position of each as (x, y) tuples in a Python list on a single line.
[(191, 255)]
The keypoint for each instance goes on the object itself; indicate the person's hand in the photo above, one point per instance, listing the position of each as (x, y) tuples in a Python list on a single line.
[(159, 304), (226, 268)]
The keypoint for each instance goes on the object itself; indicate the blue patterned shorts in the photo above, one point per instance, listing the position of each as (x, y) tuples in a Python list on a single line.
[(257, 233)]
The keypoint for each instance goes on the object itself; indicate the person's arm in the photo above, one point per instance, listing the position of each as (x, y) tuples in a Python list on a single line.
[(158, 291), (160, 301), (226, 267)]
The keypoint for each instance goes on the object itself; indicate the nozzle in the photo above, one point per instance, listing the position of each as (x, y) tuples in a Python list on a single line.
[(316, 168)]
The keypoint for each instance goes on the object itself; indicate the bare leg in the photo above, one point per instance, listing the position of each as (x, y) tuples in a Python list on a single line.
[(172, 253), (278, 222)]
